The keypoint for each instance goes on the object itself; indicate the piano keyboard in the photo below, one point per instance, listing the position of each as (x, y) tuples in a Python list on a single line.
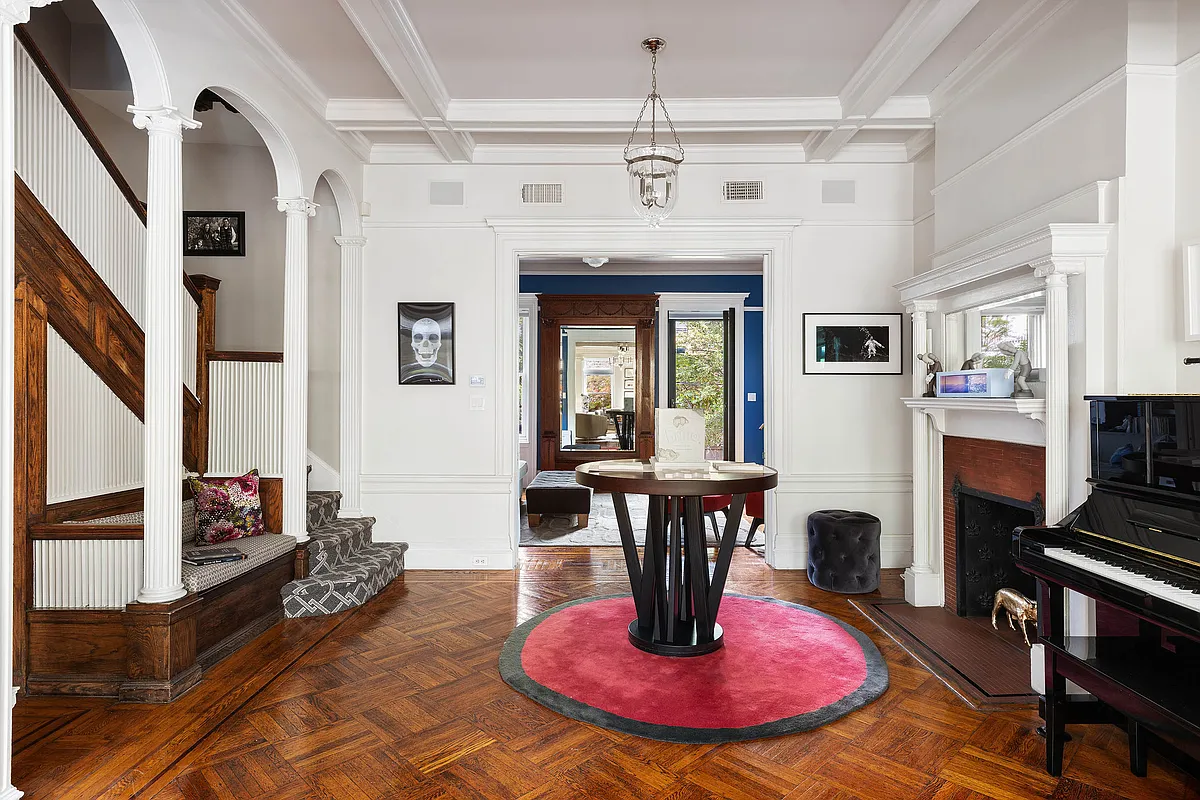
[(1181, 591)]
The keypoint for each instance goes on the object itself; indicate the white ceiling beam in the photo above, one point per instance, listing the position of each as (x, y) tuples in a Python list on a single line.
[(912, 38), (387, 29)]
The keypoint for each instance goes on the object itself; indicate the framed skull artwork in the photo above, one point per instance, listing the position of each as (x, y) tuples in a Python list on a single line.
[(426, 342)]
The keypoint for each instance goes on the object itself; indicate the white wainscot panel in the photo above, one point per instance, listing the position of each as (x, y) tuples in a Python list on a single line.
[(102, 573), (64, 173), (93, 441), (885, 495), (191, 322), (245, 426), (448, 521)]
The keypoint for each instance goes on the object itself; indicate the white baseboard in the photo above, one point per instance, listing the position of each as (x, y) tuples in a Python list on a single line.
[(323, 477), (923, 589), (446, 559)]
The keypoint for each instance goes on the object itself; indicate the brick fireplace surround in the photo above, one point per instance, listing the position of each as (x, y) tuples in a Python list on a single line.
[(1004, 468)]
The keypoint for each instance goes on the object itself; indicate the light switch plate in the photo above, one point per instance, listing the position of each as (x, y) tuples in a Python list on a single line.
[(477, 381), (477, 402), (752, 397)]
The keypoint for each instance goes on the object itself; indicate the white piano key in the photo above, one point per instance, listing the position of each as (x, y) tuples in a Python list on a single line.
[(1174, 594)]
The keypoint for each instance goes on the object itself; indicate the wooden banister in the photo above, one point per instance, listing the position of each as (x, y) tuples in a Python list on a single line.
[(245, 355), (64, 531)]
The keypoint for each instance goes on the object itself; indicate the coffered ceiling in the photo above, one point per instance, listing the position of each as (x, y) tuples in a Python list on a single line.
[(431, 81)]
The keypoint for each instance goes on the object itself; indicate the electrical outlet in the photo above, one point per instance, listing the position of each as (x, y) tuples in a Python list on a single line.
[(479, 561)]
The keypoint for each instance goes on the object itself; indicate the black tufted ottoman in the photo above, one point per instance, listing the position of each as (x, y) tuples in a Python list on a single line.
[(843, 551)]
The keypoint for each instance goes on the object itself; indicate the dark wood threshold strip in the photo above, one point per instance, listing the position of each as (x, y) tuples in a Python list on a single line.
[(244, 355), (942, 665)]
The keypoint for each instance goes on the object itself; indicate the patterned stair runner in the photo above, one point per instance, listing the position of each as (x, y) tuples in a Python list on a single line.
[(346, 568)]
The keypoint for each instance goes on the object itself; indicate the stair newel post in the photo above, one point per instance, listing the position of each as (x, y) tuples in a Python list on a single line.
[(162, 549), (295, 370), (206, 334)]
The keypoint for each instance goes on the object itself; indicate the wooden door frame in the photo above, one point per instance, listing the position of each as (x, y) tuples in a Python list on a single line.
[(638, 311)]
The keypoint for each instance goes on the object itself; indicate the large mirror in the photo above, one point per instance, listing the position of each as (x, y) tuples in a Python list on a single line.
[(988, 335), (596, 363), (598, 378)]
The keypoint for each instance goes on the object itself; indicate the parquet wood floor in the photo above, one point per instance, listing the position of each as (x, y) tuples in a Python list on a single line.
[(402, 699)]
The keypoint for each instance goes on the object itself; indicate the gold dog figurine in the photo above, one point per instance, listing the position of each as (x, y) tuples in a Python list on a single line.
[(1018, 607)]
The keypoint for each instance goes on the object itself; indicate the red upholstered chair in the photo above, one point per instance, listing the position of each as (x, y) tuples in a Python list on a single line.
[(712, 504), (756, 508)]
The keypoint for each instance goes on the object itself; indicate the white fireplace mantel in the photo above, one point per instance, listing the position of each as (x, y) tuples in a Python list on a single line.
[(936, 408)]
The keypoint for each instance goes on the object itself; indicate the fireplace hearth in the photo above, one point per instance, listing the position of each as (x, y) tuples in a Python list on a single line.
[(984, 524)]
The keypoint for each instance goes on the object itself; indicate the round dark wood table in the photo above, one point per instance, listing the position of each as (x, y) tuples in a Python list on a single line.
[(676, 597)]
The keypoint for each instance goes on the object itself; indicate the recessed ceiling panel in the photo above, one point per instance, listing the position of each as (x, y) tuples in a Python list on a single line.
[(320, 38), (486, 49)]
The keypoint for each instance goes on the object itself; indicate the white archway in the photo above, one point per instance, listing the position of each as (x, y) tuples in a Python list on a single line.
[(288, 176), (142, 59)]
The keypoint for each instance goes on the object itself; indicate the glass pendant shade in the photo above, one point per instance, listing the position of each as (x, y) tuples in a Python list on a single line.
[(654, 181), (653, 168)]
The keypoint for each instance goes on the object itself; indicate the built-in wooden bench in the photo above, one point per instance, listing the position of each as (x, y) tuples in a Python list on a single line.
[(153, 652)]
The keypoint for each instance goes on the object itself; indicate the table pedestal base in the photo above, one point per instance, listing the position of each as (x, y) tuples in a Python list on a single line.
[(676, 596), (688, 644)]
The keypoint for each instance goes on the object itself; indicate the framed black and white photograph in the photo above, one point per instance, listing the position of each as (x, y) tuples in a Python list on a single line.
[(853, 344), (214, 233), (426, 343)]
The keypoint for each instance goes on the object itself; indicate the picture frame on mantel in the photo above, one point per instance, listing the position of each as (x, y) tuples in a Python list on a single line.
[(1191, 291), (854, 344)]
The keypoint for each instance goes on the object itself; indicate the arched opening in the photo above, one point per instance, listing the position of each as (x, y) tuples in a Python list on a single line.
[(324, 338)]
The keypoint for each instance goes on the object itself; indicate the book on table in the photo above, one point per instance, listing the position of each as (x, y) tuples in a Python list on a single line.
[(200, 556)]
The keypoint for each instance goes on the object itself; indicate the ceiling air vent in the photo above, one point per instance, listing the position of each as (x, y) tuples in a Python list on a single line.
[(446, 193), (741, 191), (541, 193)]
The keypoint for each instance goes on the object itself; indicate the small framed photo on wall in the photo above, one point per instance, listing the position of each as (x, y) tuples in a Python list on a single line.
[(853, 344), (426, 346), (214, 233)]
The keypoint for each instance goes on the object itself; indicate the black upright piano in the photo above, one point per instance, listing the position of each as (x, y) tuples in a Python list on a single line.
[(1133, 546)]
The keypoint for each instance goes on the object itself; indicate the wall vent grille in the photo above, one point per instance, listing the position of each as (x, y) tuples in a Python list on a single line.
[(742, 191), (541, 193), (447, 193), (837, 191)]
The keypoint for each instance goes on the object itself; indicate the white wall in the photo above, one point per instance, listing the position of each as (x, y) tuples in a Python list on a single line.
[(1187, 208), (432, 470), (250, 300), (924, 228), (324, 328)]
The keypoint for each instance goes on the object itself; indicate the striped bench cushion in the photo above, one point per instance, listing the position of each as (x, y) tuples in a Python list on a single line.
[(258, 549)]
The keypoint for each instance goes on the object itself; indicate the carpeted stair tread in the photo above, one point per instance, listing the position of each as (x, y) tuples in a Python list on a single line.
[(322, 508), (351, 584), (336, 541)]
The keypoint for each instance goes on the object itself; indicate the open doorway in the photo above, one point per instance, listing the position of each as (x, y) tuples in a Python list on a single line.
[(706, 353)]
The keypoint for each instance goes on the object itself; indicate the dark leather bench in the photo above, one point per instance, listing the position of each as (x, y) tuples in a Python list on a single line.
[(556, 492)]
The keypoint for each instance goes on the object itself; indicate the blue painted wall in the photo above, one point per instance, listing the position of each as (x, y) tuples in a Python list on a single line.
[(649, 284)]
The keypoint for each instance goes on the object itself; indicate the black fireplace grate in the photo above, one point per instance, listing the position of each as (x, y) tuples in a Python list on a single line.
[(985, 523)]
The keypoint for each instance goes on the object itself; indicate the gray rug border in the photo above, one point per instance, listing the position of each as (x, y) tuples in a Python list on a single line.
[(871, 689)]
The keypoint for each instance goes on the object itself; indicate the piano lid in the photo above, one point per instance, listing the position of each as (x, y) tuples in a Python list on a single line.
[(1149, 442)]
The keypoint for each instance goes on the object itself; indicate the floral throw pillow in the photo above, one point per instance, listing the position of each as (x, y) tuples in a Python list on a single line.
[(227, 508)]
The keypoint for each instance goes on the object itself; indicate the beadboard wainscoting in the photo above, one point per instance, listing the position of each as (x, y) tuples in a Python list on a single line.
[(245, 418)]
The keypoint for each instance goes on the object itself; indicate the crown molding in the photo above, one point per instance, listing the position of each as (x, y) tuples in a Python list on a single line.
[(919, 143), (1036, 128), (275, 60), (1063, 244), (996, 51), (1188, 65)]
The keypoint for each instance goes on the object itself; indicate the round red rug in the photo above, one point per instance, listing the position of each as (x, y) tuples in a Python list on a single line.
[(784, 668)]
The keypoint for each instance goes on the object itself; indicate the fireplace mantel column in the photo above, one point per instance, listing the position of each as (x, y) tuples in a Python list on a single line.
[(1058, 393), (923, 580)]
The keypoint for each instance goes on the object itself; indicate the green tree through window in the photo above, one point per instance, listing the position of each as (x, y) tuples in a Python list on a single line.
[(700, 375)]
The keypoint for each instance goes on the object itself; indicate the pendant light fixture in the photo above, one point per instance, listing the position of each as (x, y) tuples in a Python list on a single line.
[(653, 168)]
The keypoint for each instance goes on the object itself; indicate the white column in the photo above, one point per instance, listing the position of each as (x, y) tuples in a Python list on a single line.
[(1058, 393), (295, 366), (923, 580), (11, 13), (1036, 323), (972, 332), (351, 403), (952, 352), (163, 325)]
